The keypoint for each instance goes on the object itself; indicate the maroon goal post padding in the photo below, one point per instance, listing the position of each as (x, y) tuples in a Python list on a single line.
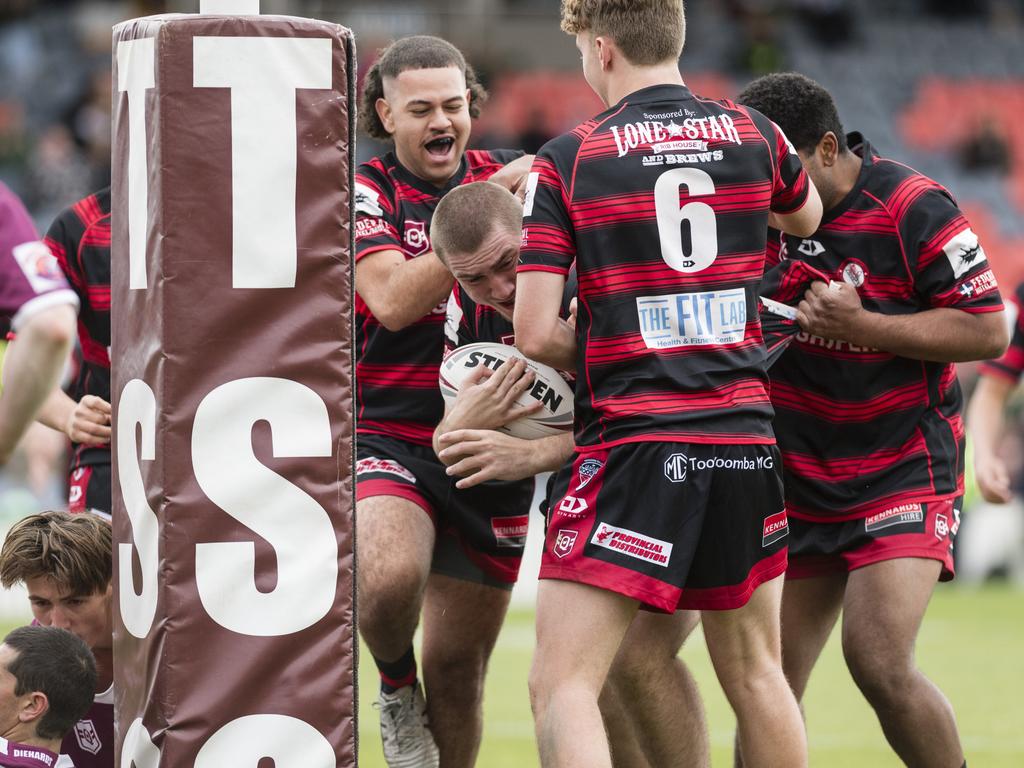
[(233, 392)]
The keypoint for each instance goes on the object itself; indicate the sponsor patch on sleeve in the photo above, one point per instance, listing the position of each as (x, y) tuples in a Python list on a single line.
[(964, 253), (39, 265), (367, 201)]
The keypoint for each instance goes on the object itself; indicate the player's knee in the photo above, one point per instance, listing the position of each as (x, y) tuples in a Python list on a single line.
[(751, 679), (881, 677), (636, 668), (389, 591)]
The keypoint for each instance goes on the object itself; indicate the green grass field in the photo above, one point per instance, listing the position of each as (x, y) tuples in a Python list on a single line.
[(971, 645)]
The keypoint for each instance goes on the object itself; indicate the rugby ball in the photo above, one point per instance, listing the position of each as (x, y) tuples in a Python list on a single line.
[(548, 388)]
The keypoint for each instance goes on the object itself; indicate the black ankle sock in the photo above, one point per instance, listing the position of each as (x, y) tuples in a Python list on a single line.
[(397, 674)]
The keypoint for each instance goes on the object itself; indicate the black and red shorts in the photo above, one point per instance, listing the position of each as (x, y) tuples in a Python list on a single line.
[(907, 529), (89, 490), (481, 531), (673, 525)]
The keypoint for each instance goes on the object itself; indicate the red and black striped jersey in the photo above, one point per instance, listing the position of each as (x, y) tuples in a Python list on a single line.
[(861, 429), (1011, 365), (80, 239), (663, 203), (396, 372)]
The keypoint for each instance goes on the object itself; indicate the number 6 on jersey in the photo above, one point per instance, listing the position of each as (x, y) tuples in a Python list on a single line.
[(701, 216)]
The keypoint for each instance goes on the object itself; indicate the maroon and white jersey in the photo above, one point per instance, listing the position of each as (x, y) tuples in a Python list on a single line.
[(15, 755), (396, 372), (1011, 365), (90, 744), (663, 203), (80, 239), (30, 279), (862, 430)]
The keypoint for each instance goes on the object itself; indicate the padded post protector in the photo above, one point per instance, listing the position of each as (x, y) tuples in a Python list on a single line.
[(233, 392)]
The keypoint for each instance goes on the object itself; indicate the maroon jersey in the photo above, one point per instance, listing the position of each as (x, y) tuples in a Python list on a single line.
[(90, 744), (861, 429), (80, 239), (663, 202), (396, 372), (1011, 365), (30, 280), (15, 755)]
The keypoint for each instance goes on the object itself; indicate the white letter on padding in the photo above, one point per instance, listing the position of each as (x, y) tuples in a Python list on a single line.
[(288, 741), (138, 749), (136, 73), (137, 407), (263, 74), (289, 519)]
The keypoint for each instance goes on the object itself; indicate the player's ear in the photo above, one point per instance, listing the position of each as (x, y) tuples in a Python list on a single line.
[(387, 118), (604, 51), (828, 149), (33, 706)]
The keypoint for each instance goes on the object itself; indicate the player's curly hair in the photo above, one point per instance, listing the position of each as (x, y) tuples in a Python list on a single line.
[(648, 32), (415, 52), (75, 551), (802, 108)]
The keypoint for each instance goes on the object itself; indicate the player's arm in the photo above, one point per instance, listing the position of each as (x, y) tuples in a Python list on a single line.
[(480, 455), (541, 333), (400, 291), (32, 367), (86, 422), (941, 335), (985, 421), (804, 221), (488, 400)]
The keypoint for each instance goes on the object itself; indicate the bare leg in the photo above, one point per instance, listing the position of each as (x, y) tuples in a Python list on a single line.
[(396, 543), (461, 621), (664, 702), (623, 736), (579, 629), (744, 645), (884, 606)]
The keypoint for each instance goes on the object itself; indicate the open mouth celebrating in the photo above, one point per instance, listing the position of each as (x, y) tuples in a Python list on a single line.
[(440, 147)]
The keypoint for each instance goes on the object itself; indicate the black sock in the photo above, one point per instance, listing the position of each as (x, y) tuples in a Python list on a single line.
[(397, 674)]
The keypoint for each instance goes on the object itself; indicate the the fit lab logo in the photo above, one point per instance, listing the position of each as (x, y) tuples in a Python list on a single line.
[(416, 240), (693, 319), (775, 527), (675, 467), (588, 471), (564, 542)]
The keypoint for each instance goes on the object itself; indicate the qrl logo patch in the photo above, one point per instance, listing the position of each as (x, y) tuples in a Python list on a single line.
[(775, 527), (87, 738), (415, 238), (564, 542), (941, 527)]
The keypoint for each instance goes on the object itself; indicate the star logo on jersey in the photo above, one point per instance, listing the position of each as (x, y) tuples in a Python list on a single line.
[(87, 738), (674, 129), (811, 248), (415, 238)]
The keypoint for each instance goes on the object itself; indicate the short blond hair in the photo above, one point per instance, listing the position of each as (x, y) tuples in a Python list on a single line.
[(75, 551), (469, 213), (648, 32)]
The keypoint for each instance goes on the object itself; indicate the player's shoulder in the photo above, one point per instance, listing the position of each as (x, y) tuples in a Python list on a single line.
[(889, 178), (93, 209), (378, 173)]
